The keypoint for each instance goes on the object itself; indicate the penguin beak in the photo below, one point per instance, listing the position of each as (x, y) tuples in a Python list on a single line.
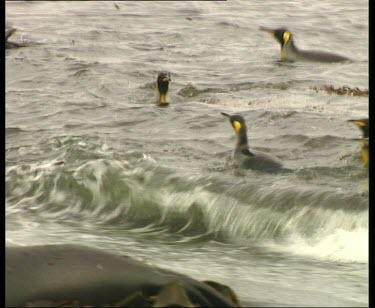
[(363, 141), (226, 115), (270, 31), (358, 123)]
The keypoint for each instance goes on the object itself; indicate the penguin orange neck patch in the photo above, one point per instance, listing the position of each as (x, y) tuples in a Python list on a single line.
[(365, 157), (162, 99)]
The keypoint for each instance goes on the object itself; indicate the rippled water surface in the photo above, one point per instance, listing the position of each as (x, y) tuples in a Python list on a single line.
[(91, 159)]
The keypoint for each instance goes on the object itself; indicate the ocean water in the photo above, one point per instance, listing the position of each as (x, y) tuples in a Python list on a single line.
[(91, 159)]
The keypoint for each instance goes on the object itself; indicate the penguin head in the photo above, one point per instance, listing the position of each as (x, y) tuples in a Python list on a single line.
[(282, 35), (363, 125), (238, 123), (162, 84)]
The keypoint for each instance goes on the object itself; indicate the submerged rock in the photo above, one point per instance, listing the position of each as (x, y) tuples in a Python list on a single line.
[(8, 44), (345, 90)]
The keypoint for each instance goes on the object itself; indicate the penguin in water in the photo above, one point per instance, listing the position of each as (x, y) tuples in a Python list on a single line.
[(162, 84), (251, 159), (290, 52), (363, 125)]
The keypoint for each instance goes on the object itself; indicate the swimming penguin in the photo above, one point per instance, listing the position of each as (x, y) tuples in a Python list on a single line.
[(363, 125), (251, 159), (290, 52), (162, 84)]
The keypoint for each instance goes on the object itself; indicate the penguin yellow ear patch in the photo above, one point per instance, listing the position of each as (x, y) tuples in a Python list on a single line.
[(237, 126), (286, 37)]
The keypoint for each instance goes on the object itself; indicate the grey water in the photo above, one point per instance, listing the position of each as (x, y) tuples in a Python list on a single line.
[(91, 159)]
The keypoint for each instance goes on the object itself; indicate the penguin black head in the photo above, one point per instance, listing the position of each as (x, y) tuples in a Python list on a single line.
[(162, 84), (363, 125), (238, 123), (282, 35)]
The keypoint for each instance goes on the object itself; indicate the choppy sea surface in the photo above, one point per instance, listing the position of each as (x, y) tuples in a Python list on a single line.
[(91, 159)]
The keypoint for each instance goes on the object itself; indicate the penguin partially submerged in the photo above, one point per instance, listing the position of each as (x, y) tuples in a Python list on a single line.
[(162, 84), (290, 52), (251, 159), (363, 125)]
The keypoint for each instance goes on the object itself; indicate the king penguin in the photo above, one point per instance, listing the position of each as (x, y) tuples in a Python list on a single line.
[(251, 159), (162, 84), (363, 125), (290, 52)]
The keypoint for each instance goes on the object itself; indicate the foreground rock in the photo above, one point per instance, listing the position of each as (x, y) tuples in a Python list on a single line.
[(79, 276)]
